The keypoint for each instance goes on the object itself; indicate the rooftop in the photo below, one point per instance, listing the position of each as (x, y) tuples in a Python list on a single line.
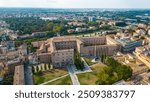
[(19, 75), (125, 41)]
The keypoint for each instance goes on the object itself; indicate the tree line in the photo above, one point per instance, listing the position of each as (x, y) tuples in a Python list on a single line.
[(114, 71), (28, 25)]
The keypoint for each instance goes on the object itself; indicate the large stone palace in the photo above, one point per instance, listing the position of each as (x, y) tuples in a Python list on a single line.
[(60, 50)]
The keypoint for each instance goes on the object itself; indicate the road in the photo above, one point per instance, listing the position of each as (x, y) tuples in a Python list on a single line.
[(74, 78), (28, 75)]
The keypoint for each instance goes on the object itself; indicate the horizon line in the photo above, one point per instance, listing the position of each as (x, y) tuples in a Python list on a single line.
[(72, 8)]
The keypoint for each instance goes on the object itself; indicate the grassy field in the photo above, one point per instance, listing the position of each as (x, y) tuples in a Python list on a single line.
[(89, 61), (2, 73), (42, 77), (91, 77), (63, 81)]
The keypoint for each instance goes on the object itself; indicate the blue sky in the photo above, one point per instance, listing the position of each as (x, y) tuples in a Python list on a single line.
[(76, 3)]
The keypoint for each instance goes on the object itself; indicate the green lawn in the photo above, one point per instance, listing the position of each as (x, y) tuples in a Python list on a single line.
[(91, 77), (89, 61), (63, 81), (106, 75), (2, 73), (48, 75), (38, 79)]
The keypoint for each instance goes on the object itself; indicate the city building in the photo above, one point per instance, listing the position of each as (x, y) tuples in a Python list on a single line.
[(148, 32), (122, 82), (137, 66), (19, 75), (141, 32), (11, 65), (12, 56), (92, 19), (70, 30), (60, 50), (143, 54), (2, 66), (129, 45), (38, 34)]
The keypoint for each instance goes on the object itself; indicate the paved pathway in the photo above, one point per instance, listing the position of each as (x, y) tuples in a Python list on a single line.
[(74, 78), (28, 75), (54, 79), (81, 72), (72, 72), (87, 67)]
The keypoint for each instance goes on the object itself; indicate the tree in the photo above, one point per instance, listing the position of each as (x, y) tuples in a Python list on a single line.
[(93, 24), (78, 62), (8, 80), (45, 67), (114, 79), (108, 70), (37, 68), (119, 72), (49, 33), (33, 69), (31, 48), (102, 58), (127, 72), (41, 67), (103, 79), (28, 25), (113, 72), (49, 66), (111, 62), (50, 26), (58, 28)]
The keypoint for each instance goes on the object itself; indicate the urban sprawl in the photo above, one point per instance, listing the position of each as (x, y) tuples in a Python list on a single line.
[(74, 46)]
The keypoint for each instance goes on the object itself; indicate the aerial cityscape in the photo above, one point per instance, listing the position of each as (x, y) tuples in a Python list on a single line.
[(84, 46)]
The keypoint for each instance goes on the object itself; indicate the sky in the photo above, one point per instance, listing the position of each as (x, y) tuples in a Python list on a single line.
[(76, 3)]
